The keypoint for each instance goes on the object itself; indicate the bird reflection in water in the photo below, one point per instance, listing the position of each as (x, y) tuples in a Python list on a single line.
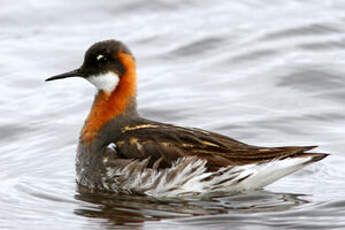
[(133, 211)]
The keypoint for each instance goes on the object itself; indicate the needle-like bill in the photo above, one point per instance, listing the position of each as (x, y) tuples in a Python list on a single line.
[(73, 73)]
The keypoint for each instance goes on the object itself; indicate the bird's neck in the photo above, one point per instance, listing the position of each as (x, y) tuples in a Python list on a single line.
[(108, 106)]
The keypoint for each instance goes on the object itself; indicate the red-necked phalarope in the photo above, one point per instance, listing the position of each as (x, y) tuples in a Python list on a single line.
[(119, 151)]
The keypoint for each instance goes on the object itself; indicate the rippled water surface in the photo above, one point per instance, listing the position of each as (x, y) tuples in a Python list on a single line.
[(265, 72)]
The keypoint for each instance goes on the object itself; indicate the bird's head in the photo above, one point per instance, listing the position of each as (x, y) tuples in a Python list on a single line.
[(105, 63)]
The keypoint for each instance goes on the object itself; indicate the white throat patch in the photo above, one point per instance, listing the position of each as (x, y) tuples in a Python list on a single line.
[(106, 82)]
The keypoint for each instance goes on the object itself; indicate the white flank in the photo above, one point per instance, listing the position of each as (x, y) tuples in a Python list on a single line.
[(188, 177), (106, 82)]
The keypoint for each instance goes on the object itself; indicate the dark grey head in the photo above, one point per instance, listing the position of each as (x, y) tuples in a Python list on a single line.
[(103, 65)]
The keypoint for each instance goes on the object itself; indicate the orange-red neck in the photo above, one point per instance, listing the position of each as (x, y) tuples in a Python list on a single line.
[(107, 106)]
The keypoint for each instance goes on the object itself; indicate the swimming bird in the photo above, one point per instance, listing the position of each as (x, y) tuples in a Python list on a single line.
[(120, 151)]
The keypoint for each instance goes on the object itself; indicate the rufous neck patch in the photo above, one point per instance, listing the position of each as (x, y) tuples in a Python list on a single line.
[(110, 105)]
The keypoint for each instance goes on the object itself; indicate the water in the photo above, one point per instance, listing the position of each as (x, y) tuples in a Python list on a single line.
[(265, 72)]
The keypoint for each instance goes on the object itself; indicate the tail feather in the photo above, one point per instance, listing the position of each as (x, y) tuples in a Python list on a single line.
[(314, 157)]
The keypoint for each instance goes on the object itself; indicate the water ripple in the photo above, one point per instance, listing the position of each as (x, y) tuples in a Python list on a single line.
[(265, 72)]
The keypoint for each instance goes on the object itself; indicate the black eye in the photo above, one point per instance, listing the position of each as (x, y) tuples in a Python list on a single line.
[(101, 58)]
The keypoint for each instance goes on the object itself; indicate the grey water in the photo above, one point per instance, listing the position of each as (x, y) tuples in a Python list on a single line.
[(264, 72)]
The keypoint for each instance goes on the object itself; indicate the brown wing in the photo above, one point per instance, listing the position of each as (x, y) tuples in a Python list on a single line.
[(167, 143)]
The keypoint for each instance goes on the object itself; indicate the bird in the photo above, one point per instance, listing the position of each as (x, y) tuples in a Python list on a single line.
[(121, 152)]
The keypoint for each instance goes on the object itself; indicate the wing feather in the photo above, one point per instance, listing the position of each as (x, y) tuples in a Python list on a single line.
[(165, 143)]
